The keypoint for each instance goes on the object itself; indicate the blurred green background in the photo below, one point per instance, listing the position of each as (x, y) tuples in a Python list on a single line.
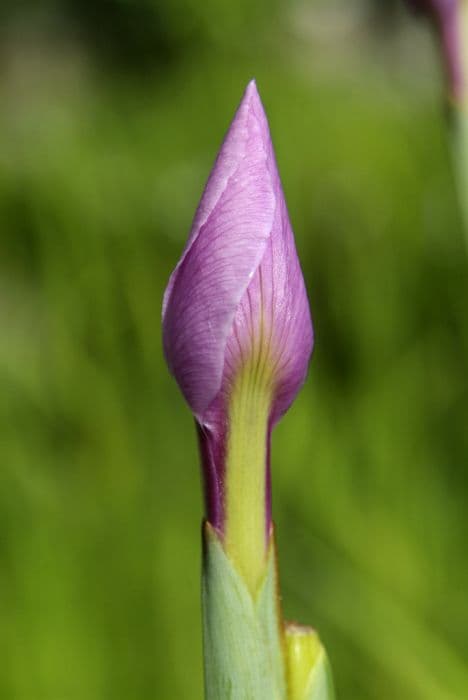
[(111, 115)]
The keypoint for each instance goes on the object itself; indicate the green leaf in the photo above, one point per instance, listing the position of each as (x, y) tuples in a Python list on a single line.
[(242, 633)]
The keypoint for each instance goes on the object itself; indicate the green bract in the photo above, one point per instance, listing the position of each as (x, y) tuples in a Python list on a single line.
[(249, 653), (243, 642)]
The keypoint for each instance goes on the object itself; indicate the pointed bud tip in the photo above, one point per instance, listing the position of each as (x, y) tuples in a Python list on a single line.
[(251, 106), (251, 90)]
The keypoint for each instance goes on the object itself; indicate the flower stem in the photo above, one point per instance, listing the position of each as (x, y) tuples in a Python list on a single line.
[(246, 538)]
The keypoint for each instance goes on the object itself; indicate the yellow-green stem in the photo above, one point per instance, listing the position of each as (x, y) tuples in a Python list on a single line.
[(246, 455)]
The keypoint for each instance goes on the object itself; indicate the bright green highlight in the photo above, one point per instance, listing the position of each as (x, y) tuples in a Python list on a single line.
[(242, 635), (308, 672), (246, 454)]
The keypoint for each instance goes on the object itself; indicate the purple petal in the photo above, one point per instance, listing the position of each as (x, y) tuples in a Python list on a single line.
[(240, 255), (229, 235), (276, 299)]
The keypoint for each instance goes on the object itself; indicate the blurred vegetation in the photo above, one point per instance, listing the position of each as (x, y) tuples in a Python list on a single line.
[(112, 113)]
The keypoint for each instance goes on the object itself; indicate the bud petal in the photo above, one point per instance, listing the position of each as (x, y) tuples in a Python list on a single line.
[(229, 235), (239, 265)]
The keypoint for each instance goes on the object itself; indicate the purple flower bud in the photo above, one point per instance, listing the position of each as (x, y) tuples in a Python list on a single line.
[(237, 299), (445, 16)]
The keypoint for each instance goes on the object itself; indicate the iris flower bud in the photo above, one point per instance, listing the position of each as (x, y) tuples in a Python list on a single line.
[(237, 330)]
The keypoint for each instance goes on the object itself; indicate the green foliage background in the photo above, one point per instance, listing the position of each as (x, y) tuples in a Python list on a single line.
[(111, 114)]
